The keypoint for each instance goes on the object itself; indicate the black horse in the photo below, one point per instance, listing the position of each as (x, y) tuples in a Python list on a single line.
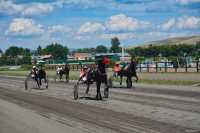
[(64, 71), (42, 75), (99, 76), (129, 72), (38, 75)]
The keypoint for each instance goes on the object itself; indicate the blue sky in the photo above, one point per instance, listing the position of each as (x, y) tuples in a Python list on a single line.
[(88, 23)]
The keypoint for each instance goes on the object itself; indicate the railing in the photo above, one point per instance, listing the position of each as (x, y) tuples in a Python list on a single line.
[(168, 67), (73, 67), (148, 67)]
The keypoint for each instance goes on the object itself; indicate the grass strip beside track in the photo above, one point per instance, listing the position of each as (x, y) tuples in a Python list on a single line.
[(74, 75)]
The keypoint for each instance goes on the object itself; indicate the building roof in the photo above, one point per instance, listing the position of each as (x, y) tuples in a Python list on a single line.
[(82, 55), (42, 57), (111, 54)]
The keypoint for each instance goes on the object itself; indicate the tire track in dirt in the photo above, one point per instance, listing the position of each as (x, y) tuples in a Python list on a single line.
[(116, 121)]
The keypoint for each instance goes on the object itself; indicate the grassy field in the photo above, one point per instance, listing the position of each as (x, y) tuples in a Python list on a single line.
[(149, 78)]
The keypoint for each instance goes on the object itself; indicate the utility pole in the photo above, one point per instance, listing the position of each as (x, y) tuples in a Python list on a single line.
[(122, 52)]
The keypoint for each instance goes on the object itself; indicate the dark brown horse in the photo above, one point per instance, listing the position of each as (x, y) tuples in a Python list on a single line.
[(129, 72), (99, 76), (64, 71)]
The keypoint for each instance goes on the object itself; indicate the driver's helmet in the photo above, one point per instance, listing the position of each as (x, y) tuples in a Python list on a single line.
[(85, 67), (34, 67)]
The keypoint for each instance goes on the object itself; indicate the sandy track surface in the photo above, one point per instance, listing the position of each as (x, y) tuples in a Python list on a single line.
[(143, 109)]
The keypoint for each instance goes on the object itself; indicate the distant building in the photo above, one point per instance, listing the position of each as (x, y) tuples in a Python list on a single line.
[(70, 57), (82, 56), (41, 59), (114, 56)]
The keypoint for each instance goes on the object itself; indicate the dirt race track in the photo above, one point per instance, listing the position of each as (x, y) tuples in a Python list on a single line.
[(142, 109)]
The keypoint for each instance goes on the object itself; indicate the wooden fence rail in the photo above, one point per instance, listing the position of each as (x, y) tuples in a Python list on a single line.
[(168, 67), (149, 67)]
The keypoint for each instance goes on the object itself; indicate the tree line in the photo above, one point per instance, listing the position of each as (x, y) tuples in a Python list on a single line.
[(166, 50), (17, 55), (115, 48)]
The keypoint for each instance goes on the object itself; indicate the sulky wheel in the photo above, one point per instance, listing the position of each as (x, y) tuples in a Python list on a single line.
[(110, 83), (106, 92), (76, 86), (26, 84), (47, 84)]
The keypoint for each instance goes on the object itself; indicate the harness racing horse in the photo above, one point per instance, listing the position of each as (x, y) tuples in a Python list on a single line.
[(41, 75), (129, 72), (37, 75), (99, 76), (64, 71)]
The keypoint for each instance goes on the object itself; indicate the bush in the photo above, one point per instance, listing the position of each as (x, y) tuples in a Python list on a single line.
[(26, 67)]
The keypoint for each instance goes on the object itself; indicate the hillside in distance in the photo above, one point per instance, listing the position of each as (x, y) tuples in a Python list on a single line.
[(191, 40)]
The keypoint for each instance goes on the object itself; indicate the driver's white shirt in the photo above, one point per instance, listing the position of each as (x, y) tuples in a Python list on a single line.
[(59, 69)]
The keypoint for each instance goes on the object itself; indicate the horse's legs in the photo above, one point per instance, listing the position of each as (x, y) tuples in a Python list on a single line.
[(60, 76), (88, 88), (67, 77), (36, 79), (106, 89), (129, 82), (130, 78), (121, 79), (40, 81), (136, 78), (98, 96)]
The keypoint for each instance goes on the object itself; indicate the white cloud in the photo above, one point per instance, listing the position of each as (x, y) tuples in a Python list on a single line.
[(121, 22), (119, 26), (121, 36), (85, 3), (185, 22), (185, 2), (58, 29), (91, 27), (188, 22), (115, 23), (169, 24), (24, 27), (9, 7), (37, 8)]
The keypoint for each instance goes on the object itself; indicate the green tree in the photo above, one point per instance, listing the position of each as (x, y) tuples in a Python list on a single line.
[(26, 60), (39, 50), (56, 50), (1, 51), (86, 50), (14, 51), (115, 48), (101, 49)]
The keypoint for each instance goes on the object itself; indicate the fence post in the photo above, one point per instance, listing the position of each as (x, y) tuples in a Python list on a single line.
[(165, 66), (197, 65), (186, 68), (148, 67), (156, 66), (176, 66)]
